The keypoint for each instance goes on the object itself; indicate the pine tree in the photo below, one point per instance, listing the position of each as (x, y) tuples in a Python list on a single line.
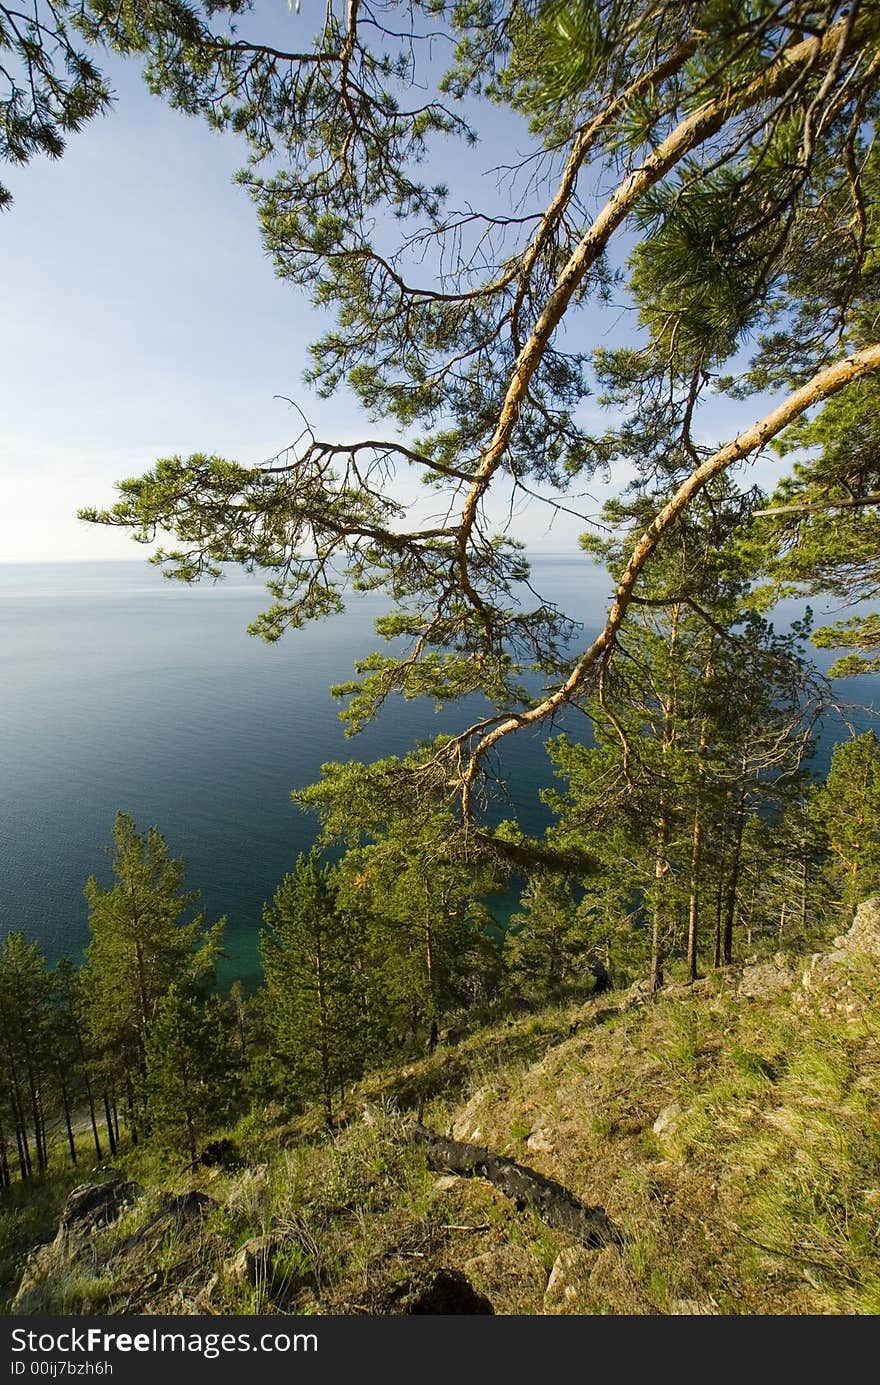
[(190, 1083), (73, 1043), (734, 147), (310, 1000), (548, 944), (847, 808), (25, 1048), (140, 945)]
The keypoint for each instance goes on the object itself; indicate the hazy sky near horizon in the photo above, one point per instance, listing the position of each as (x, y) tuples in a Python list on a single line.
[(142, 317)]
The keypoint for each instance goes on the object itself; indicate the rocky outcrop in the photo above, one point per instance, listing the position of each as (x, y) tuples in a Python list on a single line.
[(253, 1262), (841, 982), (569, 1279), (88, 1208), (762, 980), (91, 1205), (88, 1246)]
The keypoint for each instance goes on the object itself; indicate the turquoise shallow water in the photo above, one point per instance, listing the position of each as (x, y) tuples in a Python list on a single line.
[(119, 689)]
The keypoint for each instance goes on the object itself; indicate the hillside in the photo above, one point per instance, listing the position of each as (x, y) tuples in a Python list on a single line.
[(718, 1151)]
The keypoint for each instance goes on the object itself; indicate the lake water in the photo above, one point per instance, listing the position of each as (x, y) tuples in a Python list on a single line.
[(121, 690)]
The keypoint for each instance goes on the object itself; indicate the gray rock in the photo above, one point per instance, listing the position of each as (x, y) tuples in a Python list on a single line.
[(87, 1208), (864, 935), (94, 1204), (639, 993), (767, 978), (467, 1126), (840, 983), (569, 1280), (252, 1262), (541, 1141), (668, 1119)]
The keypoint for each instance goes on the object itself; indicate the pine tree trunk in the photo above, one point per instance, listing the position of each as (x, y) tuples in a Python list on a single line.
[(324, 1023), (90, 1098), (15, 1098), (37, 1111), (130, 1105), (24, 1154), (694, 899), (94, 1123), (697, 840), (661, 872), (5, 1175), (21, 1136), (733, 886), (434, 1031), (65, 1101), (719, 912), (112, 1140)]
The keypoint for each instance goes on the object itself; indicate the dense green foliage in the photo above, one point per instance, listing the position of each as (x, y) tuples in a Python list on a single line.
[(731, 143)]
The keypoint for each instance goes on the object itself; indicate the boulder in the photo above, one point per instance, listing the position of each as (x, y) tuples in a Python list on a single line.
[(446, 1183), (541, 1141), (94, 1204), (668, 1119), (88, 1207), (468, 1124), (638, 994)]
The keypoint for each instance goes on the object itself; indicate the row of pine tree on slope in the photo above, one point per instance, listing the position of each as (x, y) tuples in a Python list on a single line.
[(366, 959)]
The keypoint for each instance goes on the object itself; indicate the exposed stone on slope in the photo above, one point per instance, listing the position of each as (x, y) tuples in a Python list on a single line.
[(88, 1207), (252, 1262), (94, 1204), (541, 1141), (841, 982), (568, 1285), (467, 1127), (761, 980), (81, 1250)]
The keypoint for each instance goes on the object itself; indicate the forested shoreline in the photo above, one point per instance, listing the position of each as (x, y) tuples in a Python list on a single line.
[(374, 960), (664, 270)]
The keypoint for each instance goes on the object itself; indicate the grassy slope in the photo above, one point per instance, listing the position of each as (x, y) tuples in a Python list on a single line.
[(760, 1195)]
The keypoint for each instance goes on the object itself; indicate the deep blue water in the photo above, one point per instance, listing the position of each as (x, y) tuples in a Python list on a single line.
[(119, 689)]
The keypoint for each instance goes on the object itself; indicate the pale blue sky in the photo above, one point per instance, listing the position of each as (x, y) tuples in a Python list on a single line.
[(141, 317)]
